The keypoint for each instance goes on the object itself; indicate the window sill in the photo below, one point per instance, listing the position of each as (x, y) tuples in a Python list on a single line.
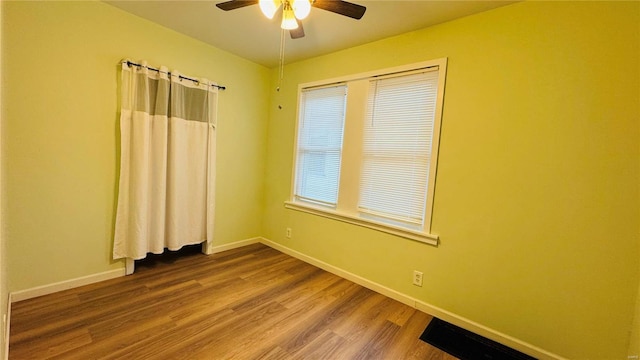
[(390, 229)]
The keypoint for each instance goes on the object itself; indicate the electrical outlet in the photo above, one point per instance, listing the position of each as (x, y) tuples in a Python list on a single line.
[(417, 278), (288, 233)]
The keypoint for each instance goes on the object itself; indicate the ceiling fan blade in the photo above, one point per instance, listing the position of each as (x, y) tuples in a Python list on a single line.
[(235, 4), (345, 8), (297, 33)]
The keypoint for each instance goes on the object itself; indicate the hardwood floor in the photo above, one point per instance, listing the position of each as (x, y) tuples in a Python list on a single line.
[(249, 303)]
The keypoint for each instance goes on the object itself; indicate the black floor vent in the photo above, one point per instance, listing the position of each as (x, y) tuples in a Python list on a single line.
[(466, 345)]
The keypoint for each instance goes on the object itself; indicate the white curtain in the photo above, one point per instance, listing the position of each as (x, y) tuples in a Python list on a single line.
[(167, 169)]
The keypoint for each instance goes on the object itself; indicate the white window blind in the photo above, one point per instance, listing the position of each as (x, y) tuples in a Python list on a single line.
[(319, 151), (397, 139)]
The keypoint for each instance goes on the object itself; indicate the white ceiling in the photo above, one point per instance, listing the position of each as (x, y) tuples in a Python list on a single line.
[(249, 34)]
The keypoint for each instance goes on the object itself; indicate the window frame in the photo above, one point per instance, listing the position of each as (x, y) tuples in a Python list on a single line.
[(342, 213)]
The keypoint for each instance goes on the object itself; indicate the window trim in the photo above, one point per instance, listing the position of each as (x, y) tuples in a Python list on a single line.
[(425, 235), (351, 219)]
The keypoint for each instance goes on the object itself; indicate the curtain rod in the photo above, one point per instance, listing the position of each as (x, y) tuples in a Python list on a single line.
[(169, 73)]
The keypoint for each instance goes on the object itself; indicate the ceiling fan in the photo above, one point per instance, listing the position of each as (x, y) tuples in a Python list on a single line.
[(295, 10)]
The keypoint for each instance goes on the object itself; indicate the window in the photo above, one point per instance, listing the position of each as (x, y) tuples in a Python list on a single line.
[(367, 146), (320, 144)]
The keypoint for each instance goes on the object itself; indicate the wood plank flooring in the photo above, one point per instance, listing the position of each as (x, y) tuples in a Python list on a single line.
[(248, 303)]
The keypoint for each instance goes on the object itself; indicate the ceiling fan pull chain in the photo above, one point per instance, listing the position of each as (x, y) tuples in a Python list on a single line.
[(281, 65)]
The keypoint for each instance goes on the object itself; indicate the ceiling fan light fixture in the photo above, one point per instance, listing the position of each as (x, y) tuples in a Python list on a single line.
[(301, 8), (293, 11), (269, 7), (289, 21)]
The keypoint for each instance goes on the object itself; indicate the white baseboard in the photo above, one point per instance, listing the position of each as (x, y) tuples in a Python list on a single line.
[(65, 285), (7, 328), (486, 331), (234, 245), (420, 305), (395, 295), (107, 275)]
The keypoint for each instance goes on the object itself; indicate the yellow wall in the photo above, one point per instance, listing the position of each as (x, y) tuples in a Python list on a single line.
[(634, 344), (4, 289), (60, 76), (537, 198)]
